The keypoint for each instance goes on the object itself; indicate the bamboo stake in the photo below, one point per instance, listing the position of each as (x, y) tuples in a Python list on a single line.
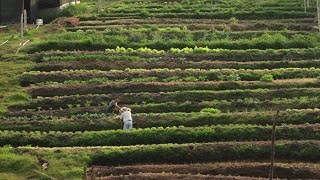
[(22, 17), (318, 15), (21, 27), (273, 144), (21, 46), (25, 19), (4, 43), (43, 174), (305, 6)]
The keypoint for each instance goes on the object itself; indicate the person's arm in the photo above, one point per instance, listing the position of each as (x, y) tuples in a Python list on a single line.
[(117, 106)]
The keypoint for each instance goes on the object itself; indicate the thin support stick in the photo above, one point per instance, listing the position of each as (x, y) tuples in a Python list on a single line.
[(4, 43), (43, 174), (21, 28), (273, 144), (318, 13)]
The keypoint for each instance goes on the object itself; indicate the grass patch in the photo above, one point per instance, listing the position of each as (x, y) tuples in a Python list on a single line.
[(20, 165), (10, 91)]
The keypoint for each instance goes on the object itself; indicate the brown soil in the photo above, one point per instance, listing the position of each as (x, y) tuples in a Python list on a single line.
[(167, 176), (281, 170)]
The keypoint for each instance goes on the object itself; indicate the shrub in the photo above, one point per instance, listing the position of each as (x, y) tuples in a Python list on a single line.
[(210, 110), (144, 13), (267, 78), (231, 77), (233, 20), (74, 10)]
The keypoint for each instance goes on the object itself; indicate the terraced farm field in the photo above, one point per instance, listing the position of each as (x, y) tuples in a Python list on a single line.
[(204, 80)]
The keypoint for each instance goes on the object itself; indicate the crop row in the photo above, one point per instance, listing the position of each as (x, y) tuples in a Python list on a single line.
[(145, 34), (165, 21), (159, 135), (164, 75), (102, 116), (307, 151), (99, 41), (281, 170), (204, 9), (89, 64), (103, 122), (207, 3), (304, 24), (294, 151), (206, 55), (184, 7), (178, 96), (259, 26), (242, 105), (193, 153), (134, 87), (227, 14)]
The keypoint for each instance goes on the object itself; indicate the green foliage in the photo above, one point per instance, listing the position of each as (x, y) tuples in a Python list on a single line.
[(166, 34), (75, 10), (164, 75), (210, 110), (157, 136), (144, 13), (61, 90), (12, 162), (231, 77), (178, 96), (70, 11), (130, 50), (263, 56), (97, 122), (187, 153), (168, 39), (267, 78), (233, 20)]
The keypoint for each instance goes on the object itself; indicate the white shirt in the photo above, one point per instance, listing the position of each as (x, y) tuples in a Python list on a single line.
[(126, 116)]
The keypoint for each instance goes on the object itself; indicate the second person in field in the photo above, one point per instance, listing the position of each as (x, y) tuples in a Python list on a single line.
[(126, 118)]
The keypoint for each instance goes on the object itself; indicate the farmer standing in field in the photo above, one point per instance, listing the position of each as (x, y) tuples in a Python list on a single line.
[(126, 118), (113, 105)]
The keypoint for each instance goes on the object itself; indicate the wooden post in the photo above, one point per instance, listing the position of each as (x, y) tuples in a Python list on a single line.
[(21, 19), (318, 14), (85, 177), (273, 144), (305, 6), (21, 28), (22, 6), (93, 176), (25, 19)]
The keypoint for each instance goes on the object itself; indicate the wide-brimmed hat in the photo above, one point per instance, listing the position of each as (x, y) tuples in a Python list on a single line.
[(125, 109)]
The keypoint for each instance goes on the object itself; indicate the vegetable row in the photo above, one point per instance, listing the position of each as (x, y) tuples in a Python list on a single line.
[(164, 75), (177, 96), (98, 122), (159, 135), (155, 87)]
